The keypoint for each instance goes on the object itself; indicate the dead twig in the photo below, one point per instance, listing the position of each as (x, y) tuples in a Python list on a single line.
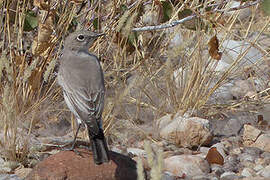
[(164, 26)]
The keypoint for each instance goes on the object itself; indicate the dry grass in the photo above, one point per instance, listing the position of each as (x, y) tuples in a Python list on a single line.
[(140, 68)]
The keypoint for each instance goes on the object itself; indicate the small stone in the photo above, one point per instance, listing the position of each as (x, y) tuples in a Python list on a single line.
[(33, 163), (5, 169), (236, 151), (136, 151), (258, 167), (115, 149), (265, 154), (201, 177), (250, 134), (23, 172), (263, 142), (11, 164), (252, 150), (263, 161), (189, 165), (204, 150), (231, 163), (248, 164), (217, 169), (168, 176), (9, 177), (2, 160), (248, 172), (185, 132), (247, 157), (228, 176), (265, 172)]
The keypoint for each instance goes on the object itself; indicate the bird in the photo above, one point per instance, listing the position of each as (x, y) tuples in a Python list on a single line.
[(82, 80)]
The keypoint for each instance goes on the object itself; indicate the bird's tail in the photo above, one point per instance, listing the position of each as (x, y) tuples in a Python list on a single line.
[(99, 148)]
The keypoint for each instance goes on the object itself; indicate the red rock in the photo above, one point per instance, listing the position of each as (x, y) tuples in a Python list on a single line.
[(70, 166)]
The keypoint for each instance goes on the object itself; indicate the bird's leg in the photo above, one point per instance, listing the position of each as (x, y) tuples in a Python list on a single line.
[(75, 137), (74, 141)]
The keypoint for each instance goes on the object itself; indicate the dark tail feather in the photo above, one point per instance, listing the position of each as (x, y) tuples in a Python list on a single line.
[(100, 148)]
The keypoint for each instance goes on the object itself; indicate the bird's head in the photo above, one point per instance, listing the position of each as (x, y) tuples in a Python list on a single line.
[(81, 40)]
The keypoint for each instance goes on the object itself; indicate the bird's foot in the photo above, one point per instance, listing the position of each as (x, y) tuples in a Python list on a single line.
[(71, 149)]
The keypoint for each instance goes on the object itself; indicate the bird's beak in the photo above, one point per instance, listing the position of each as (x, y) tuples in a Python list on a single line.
[(101, 34)]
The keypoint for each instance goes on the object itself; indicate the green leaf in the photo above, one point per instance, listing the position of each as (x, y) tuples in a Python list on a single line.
[(167, 10), (31, 21), (266, 7), (132, 38), (95, 23), (184, 13), (123, 8)]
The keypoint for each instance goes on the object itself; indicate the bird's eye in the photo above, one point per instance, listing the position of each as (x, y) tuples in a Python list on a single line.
[(80, 37)]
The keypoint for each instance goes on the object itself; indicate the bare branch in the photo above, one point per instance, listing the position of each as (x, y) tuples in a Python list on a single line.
[(164, 26), (239, 7), (174, 23)]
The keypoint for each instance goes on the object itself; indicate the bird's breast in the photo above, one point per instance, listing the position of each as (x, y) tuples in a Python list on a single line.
[(82, 71)]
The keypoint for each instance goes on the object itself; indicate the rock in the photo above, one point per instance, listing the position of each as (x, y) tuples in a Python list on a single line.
[(217, 169), (201, 177), (248, 172), (188, 165), (265, 155), (242, 88), (168, 176), (2, 160), (263, 142), (136, 151), (236, 151), (228, 176), (258, 167), (250, 134), (253, 137), (222, 94), (23, 172), (255, 178), (231, 163), (176, 41), (265, 172), (252, 150), (247, 157), (69, 165), (204, 150), (9, 177), (185, 132), (263, 161), (8, 166), (243, 13), (233, 49), (150, 16), (230, 126), (222, 66)]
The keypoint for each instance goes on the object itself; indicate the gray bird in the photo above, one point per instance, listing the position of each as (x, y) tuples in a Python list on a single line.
[(82, 81)]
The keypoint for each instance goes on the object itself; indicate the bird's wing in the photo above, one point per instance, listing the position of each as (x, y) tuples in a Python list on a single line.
[(87, 105)]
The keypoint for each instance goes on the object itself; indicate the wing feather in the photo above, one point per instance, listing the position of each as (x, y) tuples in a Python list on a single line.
[(86, 106)]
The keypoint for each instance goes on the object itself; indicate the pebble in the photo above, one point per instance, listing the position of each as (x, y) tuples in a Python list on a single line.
[(231, 163), (258, 167), (248, 172), (247, 157), (229, 176), (217, 169), (9, 177), (265, 172)]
